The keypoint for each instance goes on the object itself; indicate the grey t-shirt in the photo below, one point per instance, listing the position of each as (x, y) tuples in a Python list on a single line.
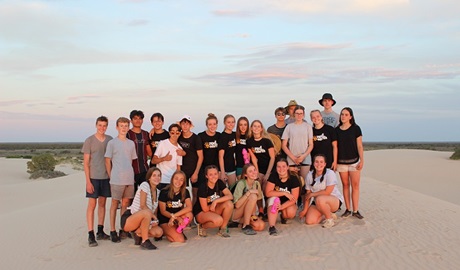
[(122, 153), (96, 150), (330, 119), (298, 136)]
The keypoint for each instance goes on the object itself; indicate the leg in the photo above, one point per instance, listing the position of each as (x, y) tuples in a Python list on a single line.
[(346, 188), (140, 220), (156, 231), (90, 213), (171, 233), (225, 209), (327, 204), (290, 212), (231, 179), (271, 216), (209, 219), (113, 214), (101, 210), (313, 216), (304, 171), (355, 179)]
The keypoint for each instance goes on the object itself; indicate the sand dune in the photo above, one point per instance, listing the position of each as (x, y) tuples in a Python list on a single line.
[(44, 227)]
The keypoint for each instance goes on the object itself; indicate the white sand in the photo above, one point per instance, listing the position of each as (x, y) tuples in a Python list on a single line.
[(44, 227)]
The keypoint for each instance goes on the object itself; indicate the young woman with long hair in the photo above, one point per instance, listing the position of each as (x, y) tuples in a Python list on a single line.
[(324, 140), (227, 145), (242, 130)]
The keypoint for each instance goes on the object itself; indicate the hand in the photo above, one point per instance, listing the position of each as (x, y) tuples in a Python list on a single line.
[(168, 157), (180, 152), (289, 196), (360, 165), (334, 166), (302, 213), (299, 159), (194, 178), (89, 188), (253, 191), (266, 176), (223, 176), (151, 133), (212, 208)]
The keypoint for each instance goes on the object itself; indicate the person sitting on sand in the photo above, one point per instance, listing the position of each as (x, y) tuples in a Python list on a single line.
[(214, 206), (140, 218), (323, 198), (175, 208), (245, 197), (283, 190)]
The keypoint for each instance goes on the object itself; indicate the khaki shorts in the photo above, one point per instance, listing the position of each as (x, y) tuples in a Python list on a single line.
[(122, 191), (347, 167)]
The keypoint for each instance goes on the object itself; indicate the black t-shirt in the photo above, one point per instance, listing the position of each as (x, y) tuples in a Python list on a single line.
[(156, 138), (291, 183), (260, 150), (322, 143), (173, 205), (227, 142), (210, 194), (240, 145), (210, 149), (190, 146), (346, 144)]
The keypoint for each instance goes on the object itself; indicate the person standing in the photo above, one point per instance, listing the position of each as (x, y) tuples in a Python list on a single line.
[(324, 140), (191, 162), (350, 159), (157, 133), (140, 138), (227, 145), (97, 179), (118, 162), (290, 111), (330, 117), (167, 157), (278, 128), (210, 140), (242, 129)]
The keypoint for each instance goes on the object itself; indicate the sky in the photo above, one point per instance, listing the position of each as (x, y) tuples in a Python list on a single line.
[(396, 63)]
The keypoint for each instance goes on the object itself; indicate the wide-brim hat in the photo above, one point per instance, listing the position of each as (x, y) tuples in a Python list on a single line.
[(292, 102), (327, 96)]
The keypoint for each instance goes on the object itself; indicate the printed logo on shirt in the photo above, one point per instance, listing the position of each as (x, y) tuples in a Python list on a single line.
[(184, 144), (232, 143), (241, 141), (258, 150), (277, 188), (213, 197), (213, 144), (320, 138), (173, 204)]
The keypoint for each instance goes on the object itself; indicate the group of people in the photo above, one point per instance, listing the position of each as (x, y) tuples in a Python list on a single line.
[(164, 181)]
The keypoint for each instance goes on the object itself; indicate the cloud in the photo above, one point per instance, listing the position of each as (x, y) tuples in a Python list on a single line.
[(232, 13), (13, 102), (136, 22), (83, 97)]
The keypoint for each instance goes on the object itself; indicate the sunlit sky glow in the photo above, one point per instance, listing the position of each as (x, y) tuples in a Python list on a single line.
[(64, 63)]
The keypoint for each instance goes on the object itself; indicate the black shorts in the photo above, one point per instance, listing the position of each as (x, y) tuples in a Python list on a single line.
[(124, 217), (101, 189)]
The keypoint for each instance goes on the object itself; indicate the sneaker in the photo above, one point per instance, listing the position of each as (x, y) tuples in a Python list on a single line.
[(357, 214), (102, 236), (283, 220), (122, 234), (91, 240), (223, 233), (248, 230), (137, 238), (158, 238), (273, 231), (148, 245), (201, 230), (114, 237), (233, 224), (328, 223), (346, 213)]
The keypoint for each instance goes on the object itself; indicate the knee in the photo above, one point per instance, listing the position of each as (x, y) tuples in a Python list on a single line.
[(320, 200), (228, 204)]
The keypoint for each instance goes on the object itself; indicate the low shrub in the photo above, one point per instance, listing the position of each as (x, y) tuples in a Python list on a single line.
[(456, 154)]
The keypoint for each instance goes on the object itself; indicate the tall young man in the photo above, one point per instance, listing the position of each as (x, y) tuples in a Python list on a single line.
[(140, 138), (330, 117), (97, 179), (157, 133)]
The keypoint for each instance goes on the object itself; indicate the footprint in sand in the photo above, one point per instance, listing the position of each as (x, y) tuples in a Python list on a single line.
[(364, 242)]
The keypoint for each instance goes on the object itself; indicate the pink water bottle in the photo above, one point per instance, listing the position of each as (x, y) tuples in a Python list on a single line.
[(275, 204), (245, 156), (181, 227)]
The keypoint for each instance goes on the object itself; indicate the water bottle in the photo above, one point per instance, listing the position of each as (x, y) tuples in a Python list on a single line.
[(245, 156), (275, 204), (181, 227)]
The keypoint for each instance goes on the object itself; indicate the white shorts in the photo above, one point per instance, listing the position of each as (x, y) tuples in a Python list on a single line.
[(347, 167)]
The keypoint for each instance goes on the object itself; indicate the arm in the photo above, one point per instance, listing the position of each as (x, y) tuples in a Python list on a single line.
[(185, 210), (253, 159), (302, 157), (143, 200), (223, 175), (86, 161), (292, 199), (148, 150), (108, 166), (194, 176), (286, 150), (156, 159), (334, 155), (359, 142), (271, 152)]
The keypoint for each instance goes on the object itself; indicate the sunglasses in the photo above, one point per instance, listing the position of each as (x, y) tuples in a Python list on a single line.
[(280, 114), (174, 133)]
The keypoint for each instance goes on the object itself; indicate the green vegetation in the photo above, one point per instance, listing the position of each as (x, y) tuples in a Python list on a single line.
[(456, 154), (43, 166)]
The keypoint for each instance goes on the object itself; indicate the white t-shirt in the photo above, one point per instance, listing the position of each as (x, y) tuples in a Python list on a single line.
[(167, 168), (136, 205), (330, 179)]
